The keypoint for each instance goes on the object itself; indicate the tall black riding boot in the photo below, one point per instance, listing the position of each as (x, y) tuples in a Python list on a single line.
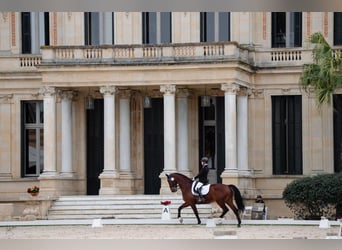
[(201, 198)]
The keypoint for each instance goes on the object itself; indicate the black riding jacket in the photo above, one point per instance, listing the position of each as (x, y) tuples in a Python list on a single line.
[(203, 174)]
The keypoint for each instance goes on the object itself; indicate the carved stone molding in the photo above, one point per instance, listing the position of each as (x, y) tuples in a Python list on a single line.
[(69, 15), (244, 91), (108, 90), (4, 16), (47, 91), (125, 93), (6, 98), (232, 88), (168, 89), (257, 92), (68, 94), (183, 93)]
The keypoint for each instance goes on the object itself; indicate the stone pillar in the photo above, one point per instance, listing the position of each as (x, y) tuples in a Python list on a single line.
[(125, 139), (6, 129), (50, 147), (67, 145), (48, 180), (182, 132), (230, 172), (242, 131), (169, 135), (126, 177), (109, 176)]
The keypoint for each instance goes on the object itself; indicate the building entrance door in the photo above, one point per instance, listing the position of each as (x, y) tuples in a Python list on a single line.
[(95, 147), (211, 137), (153, 145)]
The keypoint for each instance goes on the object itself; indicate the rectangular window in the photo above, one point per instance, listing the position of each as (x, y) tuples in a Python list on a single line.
[(215, 26), (338, 28), (287, 134), (32, 138), (35, 31), (98, 28), (337, 102), (92, 26), (156, 27), (286, 29), (25, 32)]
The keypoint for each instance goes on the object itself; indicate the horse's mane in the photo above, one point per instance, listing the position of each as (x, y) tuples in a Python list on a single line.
[(182, 176)]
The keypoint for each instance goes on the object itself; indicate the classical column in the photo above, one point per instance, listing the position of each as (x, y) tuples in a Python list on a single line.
[(125, 126), (182, 132), (230, 90), (242, 131), (67, 145), (109, 174), (6, 102), (50, 147), (169, 128)]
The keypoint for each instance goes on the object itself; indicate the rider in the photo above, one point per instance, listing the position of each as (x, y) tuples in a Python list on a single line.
[(202, 176)]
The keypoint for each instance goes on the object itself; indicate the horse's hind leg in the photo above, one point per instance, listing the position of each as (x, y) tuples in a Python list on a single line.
[(224, 208), (236, 212)]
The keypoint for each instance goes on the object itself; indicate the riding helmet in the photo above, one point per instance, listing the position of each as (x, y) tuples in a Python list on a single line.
[(204, 159)]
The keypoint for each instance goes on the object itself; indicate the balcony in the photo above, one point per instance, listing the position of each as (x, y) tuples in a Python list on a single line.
[(175, 53), (54, 56)]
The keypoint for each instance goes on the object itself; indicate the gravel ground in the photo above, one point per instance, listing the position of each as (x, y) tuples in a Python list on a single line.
[(166, 232)]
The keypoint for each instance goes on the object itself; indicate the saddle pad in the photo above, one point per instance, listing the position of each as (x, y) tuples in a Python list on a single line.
[(205, 188)]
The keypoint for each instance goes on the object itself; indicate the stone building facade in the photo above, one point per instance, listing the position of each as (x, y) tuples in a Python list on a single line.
[(107, 103)]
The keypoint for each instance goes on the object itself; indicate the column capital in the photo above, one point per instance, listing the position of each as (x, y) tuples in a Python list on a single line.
[(168, 89), (183, 93), (47, 91), (125, 93), (244, 91), (67, 94), (108, 90), (231, 88)]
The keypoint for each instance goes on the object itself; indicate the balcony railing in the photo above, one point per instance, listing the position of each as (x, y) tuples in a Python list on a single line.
[(136, 54), (174, 53), (204, 52)]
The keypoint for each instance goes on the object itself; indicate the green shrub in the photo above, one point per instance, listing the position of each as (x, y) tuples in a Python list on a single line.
[(313, 197)]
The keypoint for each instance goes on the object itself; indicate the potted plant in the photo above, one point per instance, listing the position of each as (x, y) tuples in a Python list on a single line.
[(34, 191)]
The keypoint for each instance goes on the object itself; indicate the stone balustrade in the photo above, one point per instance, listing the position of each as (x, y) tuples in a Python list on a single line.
[(132, 54)]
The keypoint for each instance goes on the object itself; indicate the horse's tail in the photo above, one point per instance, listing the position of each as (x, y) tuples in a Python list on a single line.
[(238, 197)]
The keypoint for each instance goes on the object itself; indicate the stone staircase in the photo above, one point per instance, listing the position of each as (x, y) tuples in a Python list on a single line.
[(121, 207)]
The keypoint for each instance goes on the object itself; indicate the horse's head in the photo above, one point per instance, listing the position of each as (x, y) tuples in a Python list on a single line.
[(172, 183)]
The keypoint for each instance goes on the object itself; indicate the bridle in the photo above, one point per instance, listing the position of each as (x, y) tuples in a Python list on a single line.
[(173, 184)]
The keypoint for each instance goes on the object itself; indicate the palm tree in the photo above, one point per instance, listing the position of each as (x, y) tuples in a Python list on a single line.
[(324, 75)]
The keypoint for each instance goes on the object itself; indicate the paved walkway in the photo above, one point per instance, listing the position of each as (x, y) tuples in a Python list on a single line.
[(166, 229)]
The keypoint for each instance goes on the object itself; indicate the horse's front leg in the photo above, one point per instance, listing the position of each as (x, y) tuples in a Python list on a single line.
[(179, 211), (194, 208)]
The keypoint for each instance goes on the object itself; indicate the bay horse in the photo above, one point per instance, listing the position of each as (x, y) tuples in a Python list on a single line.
[(220, 193)]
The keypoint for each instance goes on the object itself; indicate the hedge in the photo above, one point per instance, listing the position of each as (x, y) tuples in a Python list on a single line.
[(315, 196)]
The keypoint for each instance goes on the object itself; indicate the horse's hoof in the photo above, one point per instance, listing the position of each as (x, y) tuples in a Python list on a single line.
[(181, 220), (199, 222), (238, 225)]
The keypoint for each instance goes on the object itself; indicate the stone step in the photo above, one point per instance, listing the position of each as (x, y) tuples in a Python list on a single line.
[(120, 207)]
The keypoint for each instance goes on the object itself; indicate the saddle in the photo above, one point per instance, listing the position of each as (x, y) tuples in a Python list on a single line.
[(196, 185)]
